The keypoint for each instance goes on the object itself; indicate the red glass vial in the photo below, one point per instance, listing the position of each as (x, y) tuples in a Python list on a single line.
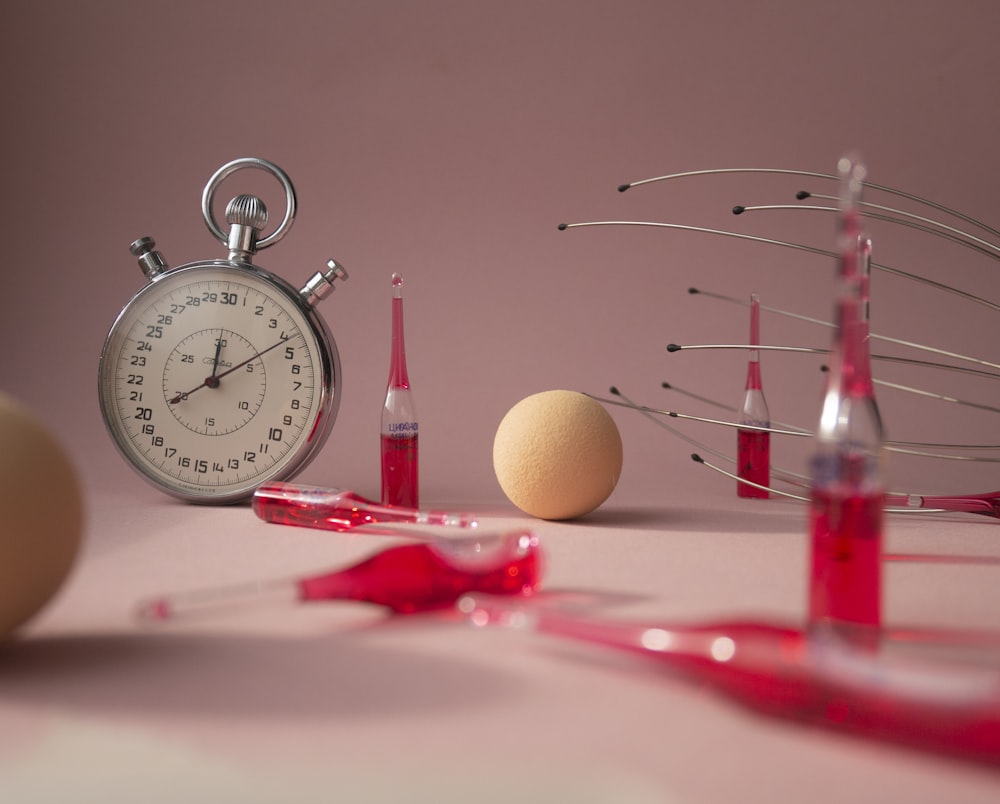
[(848, 492), (753, 447), (400, 466)]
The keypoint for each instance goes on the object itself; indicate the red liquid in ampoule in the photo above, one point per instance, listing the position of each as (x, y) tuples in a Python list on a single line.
[(753, 456), (417, 577), (845, 581), (400, 470)]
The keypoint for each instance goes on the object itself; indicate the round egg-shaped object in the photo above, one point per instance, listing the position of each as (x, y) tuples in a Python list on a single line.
[(42, 525), (557, 454)]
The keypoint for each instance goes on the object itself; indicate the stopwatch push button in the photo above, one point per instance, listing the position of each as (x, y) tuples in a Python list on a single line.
[(150, 260), (320, 285)]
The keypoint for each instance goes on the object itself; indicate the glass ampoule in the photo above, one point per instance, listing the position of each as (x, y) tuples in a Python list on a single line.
[(400, 467), (944, 706), (847, 483), (753, 447), (342, 509), (406, 578)]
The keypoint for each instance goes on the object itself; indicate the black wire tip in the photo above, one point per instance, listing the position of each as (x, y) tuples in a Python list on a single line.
[(665, 384), (802, 195), (614, 390), (623, 187), (563, 227), (739, 209), (673, 347), (824, 368), (697, 458), (692, 291)]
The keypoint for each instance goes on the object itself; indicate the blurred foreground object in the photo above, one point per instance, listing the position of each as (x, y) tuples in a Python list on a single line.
[(42, 523)]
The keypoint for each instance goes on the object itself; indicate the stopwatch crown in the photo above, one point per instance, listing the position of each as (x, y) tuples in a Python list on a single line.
[(247, 217), (247, 210)]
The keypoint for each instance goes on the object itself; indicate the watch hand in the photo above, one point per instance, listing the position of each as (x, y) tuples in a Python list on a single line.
[(251, 359), (218, 351), (213, 381)]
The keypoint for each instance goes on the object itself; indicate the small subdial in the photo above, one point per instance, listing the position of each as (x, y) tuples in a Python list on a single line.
[(212, 383)]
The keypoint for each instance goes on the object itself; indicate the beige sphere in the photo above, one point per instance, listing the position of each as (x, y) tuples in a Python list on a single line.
[(42, 523), (557, 454)]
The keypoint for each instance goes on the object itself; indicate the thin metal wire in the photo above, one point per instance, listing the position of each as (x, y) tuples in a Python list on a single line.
[(803, 195), (672, 430), (962, 504), (789, 172), (689, 417), (874, 336), (805, 431), (676, 347), (787, 475), (784, 243), (800, 433), (797, 479), (983, 504), (741, 209)]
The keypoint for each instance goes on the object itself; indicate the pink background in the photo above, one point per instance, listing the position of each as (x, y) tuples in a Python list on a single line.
[(446, 140)]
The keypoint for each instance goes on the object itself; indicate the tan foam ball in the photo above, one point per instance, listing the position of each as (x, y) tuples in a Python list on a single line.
[(42, 521), (557, 454)]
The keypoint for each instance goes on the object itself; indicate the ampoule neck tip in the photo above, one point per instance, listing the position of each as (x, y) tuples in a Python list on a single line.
[(154, 611), (397, 285)]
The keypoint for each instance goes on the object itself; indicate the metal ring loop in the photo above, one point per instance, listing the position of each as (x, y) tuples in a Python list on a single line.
[(208, 197)]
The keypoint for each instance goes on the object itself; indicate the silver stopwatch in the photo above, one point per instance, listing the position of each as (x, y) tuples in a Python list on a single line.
[(218, 376)]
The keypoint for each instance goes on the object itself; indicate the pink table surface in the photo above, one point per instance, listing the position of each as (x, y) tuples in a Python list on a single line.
[(341, 701)]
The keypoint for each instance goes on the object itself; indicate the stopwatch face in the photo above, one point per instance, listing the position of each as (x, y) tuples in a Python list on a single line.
[(216, 378)]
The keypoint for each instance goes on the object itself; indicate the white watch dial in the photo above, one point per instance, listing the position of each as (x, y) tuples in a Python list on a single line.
[(215, 379)]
